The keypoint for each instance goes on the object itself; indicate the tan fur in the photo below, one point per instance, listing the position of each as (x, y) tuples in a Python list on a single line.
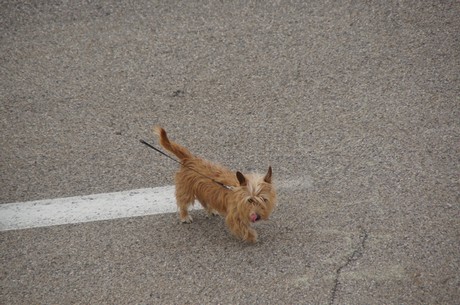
[(251, 197)]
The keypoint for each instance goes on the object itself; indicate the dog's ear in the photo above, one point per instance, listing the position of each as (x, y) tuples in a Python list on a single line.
[(241, 178), (268, 176)]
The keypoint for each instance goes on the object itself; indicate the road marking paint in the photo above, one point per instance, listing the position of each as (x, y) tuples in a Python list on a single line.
[(295, 183), (50, 212)]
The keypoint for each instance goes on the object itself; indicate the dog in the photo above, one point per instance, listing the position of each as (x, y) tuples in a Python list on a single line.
[(241, 199)]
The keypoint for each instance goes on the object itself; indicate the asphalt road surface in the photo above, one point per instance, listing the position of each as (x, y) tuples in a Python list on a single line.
[(355, 105)]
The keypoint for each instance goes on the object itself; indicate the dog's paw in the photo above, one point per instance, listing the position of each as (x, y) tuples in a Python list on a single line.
[(187, 219), (211, 213), (251, 237)]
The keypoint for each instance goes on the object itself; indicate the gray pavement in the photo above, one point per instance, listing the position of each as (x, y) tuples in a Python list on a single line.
[(354, 104)]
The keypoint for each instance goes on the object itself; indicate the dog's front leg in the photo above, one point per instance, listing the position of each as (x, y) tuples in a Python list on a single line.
[(241, 229)]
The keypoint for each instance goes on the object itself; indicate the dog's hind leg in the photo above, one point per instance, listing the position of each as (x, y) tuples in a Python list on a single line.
[(184, 199)]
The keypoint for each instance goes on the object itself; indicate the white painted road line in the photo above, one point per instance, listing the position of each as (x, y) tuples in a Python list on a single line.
[(50, 212), (141, 202)]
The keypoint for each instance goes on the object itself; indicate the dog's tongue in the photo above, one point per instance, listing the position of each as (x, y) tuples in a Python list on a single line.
[(253, 217)]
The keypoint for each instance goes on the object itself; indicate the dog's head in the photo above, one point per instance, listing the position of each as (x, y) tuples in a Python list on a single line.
[(258, 196)]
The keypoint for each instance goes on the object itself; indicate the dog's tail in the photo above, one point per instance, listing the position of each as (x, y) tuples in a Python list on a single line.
[(180, 151)]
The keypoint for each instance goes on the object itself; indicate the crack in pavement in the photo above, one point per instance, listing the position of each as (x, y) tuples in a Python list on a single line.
[(357, 253)]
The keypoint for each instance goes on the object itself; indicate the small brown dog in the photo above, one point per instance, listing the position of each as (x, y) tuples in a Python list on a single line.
[(241, 199)]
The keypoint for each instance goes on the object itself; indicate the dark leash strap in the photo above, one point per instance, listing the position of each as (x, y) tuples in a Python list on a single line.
[(227, 187)]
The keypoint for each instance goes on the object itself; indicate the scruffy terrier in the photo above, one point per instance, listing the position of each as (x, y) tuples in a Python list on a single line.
[(241, 199)]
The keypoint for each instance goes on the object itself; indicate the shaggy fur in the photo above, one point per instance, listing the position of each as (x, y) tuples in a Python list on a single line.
[(251, 197)]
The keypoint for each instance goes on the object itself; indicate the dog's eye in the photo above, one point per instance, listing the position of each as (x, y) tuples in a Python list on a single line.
[(250, 200), (265, 200)]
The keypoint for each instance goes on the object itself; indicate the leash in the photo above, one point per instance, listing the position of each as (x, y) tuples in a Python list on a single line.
[(227, 187)]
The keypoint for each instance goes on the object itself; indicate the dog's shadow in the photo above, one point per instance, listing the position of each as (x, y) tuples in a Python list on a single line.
[(212, 230), (207, 227)]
